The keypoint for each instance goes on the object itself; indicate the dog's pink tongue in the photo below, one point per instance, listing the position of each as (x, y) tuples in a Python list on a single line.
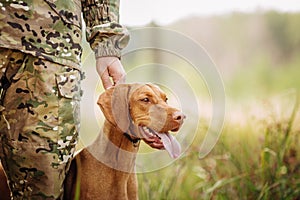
[(171, 144)]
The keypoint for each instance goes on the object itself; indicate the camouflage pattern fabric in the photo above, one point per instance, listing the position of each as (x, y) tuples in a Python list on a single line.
[(51, 29), (104, 33), (40, 52), (39, 123)]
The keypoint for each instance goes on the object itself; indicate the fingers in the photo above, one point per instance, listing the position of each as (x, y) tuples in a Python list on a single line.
[(117, 72), (110, 70), (106, 82)]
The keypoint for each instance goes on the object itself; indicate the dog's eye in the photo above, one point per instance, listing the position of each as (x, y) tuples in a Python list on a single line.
[(166, 100), (145, 100)]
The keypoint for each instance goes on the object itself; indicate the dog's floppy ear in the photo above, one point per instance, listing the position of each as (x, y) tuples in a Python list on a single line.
[(114, 105)]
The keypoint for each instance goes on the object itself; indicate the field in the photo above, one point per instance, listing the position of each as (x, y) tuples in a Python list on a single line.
[(258, 159), (257, 155)]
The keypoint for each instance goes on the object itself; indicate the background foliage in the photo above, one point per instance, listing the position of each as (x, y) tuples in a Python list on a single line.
[(257, 155)]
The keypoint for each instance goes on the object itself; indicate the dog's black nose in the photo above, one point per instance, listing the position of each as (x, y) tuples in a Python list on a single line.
[(178, 116)]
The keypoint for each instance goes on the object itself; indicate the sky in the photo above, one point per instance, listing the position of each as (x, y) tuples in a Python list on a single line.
[(163, 12)]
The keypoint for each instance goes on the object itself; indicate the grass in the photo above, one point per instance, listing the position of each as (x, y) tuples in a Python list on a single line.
[(256, 160)]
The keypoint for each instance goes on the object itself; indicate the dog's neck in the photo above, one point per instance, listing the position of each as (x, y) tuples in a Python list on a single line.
[(114, 149)]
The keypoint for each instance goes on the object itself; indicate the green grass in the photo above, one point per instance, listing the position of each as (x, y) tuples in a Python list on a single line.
[(257, 160)]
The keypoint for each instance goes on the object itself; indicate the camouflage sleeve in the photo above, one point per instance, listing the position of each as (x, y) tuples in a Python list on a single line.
[(103, 31)]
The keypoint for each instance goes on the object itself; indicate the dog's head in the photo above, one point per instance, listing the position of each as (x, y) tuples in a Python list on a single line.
[(142, 110)]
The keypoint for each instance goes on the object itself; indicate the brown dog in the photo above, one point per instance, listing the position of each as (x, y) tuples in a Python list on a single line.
[(105, 169)]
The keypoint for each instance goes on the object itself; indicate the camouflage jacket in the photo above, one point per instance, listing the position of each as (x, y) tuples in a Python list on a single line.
[(52, 29)]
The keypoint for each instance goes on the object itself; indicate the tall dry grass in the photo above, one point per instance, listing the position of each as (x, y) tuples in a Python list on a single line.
[(259, 159)]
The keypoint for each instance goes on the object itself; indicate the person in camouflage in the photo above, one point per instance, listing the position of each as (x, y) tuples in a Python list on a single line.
[(40, 91)]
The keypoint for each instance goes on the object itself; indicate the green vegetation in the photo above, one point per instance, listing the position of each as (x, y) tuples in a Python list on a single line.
[(258, 153), (257, 156), (256, 160)]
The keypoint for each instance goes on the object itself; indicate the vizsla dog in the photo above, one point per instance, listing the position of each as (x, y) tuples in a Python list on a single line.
[(105, 169)]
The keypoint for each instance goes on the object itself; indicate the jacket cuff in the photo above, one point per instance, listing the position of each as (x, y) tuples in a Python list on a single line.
[(107, 48), (110, 45)]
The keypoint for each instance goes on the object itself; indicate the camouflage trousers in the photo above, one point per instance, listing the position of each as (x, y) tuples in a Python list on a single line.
[(39, 123)]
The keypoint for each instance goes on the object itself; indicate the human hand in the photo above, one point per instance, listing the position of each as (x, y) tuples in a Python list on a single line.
[(110, 68)]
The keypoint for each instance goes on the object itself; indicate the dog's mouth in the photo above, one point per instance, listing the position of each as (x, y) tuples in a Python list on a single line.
[(169, 141)]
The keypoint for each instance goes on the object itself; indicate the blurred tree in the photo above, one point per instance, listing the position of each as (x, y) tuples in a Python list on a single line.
[(285, 31)]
